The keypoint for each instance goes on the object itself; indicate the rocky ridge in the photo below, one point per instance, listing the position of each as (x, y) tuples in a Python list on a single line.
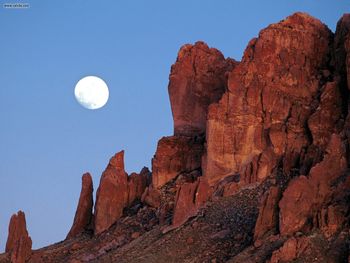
[(257, 169)]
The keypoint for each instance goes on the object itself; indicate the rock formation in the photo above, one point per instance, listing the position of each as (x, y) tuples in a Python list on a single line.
[(83, 215), (185, 203), (175, 155), (197, 79), (117, 191), (271, 95), (19, 243), (257, 169), (268, 213), (112, 194), (137, 184), (151, 197), (290, 250), (305, 196)]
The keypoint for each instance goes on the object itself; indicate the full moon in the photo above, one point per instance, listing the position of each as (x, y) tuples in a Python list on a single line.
[(91, 92)]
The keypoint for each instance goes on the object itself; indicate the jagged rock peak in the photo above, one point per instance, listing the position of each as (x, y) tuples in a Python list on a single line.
[(117, 191), (112, 194), (117, 160), (83, 215), (19, 243)]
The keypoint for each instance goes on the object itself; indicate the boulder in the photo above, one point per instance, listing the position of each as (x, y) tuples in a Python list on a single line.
[(151, 197), (185, 203), (83, 215), (190, 197)]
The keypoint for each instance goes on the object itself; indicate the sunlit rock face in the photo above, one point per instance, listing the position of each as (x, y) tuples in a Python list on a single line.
[(19, 243), (83, 215), (273, 96), (197, 79), (116, 192), (112, 194)]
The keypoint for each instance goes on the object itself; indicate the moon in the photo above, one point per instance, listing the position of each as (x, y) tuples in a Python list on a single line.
[(91, 92)]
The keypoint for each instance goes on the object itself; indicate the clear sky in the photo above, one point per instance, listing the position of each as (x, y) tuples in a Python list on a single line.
[(47, 140)]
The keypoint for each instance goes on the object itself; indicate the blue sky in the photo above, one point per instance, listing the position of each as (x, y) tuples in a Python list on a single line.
[(47, 140)]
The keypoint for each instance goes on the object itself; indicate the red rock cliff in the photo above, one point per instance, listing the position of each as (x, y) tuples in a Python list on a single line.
[(271, 109)]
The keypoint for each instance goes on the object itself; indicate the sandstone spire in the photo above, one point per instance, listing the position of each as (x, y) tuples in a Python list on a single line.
[(83, 215), (112, 194), (18, 244)]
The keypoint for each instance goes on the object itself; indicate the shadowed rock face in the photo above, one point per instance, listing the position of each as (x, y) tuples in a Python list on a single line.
[(197, 79), (341, 60), (305, 196), (112, 194), (18, 244), (137, 184), (307, 199), (83, 215)]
